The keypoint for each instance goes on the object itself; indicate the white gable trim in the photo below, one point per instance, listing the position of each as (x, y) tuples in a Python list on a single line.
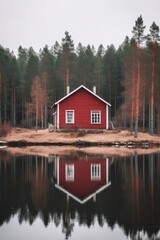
[(81, 86), (86, 199), (93, 195)]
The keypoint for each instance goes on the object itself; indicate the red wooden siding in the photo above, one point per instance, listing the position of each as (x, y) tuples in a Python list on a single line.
[(82, 186), (82, 102)]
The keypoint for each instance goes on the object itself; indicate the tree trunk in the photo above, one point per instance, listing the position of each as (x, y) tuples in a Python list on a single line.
[(0, 98), (158, 118), (66, 72), (137, 96), (37, 105), (13, 108), (133, 92), (42, 114), (144, 113), (45, 98), (152, 93), (5, 100)]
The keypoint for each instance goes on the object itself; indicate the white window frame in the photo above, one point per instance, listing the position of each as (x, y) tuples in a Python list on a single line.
[(69, 172), (66, 117), (94, 116), (95, 171)]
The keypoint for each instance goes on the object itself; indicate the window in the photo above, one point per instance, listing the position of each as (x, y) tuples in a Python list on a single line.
[(95, 117), (95, 171), (69, 116), (69, 172)]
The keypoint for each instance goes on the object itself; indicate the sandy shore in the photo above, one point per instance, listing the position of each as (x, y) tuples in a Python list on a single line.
[(30, 135)]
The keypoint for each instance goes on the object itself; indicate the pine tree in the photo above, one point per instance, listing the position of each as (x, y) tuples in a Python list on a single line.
[(67, 50), (22, 63), (138, 35), (153, 39), (32, 70), (47, 72), (109, 66), (89, 79), (98, 70), (129, 73), (36, 95), (59, 72), (81, 65)]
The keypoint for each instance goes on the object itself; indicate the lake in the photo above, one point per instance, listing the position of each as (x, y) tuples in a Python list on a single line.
[(79, 196)]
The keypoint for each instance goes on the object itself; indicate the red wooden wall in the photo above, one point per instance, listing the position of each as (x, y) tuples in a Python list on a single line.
[(82, 186), (82, 102)]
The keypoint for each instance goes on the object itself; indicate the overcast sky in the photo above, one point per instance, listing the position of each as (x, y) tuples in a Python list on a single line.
[(39, 22)]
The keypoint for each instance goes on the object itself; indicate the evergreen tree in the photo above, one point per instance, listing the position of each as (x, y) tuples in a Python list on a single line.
[(98, 70), (118, 84), (109, 65), (32, 70), (138, 35), (129, 72), (22, 63), (59, 72), (67, 53), (14, 91), (8, 86), (81, 65), (128, 78), (89, 80), (153, 39), (47, 72)]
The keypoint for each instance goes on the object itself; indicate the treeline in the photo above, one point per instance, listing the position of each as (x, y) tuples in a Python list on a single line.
[(127, 77)]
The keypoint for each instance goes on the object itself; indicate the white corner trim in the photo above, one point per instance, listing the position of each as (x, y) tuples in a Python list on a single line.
[(107, 118), (58, 116), (107, 171)]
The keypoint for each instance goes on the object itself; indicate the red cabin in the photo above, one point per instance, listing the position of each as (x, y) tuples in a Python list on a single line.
[(81, 109), (82, 180)]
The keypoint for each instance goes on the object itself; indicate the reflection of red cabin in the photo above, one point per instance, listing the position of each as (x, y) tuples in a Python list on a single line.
[(82, 179), (81, 109)]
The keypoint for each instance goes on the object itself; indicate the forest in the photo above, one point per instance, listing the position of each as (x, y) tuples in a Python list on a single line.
[(127, 77)]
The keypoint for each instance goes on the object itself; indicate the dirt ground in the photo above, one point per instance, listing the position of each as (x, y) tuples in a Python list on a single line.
[(31, 135), (21, 134)]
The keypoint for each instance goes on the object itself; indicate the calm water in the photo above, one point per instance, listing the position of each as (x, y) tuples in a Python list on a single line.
[(79, 197)]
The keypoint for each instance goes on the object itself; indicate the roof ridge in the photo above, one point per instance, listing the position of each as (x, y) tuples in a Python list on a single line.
[(75, 90)]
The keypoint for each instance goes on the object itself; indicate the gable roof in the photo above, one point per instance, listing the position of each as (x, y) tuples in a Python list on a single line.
[(87, 197), (81, 86)]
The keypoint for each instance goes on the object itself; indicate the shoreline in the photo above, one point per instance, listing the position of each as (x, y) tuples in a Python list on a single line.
[(21, 137), (80, 143), (47, 151), (108, 143)]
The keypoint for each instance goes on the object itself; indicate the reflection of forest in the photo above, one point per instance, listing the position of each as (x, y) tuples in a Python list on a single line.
[(132, 201)]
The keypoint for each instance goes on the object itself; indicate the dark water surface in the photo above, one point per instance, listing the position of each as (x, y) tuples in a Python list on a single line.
[(79, 197)]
